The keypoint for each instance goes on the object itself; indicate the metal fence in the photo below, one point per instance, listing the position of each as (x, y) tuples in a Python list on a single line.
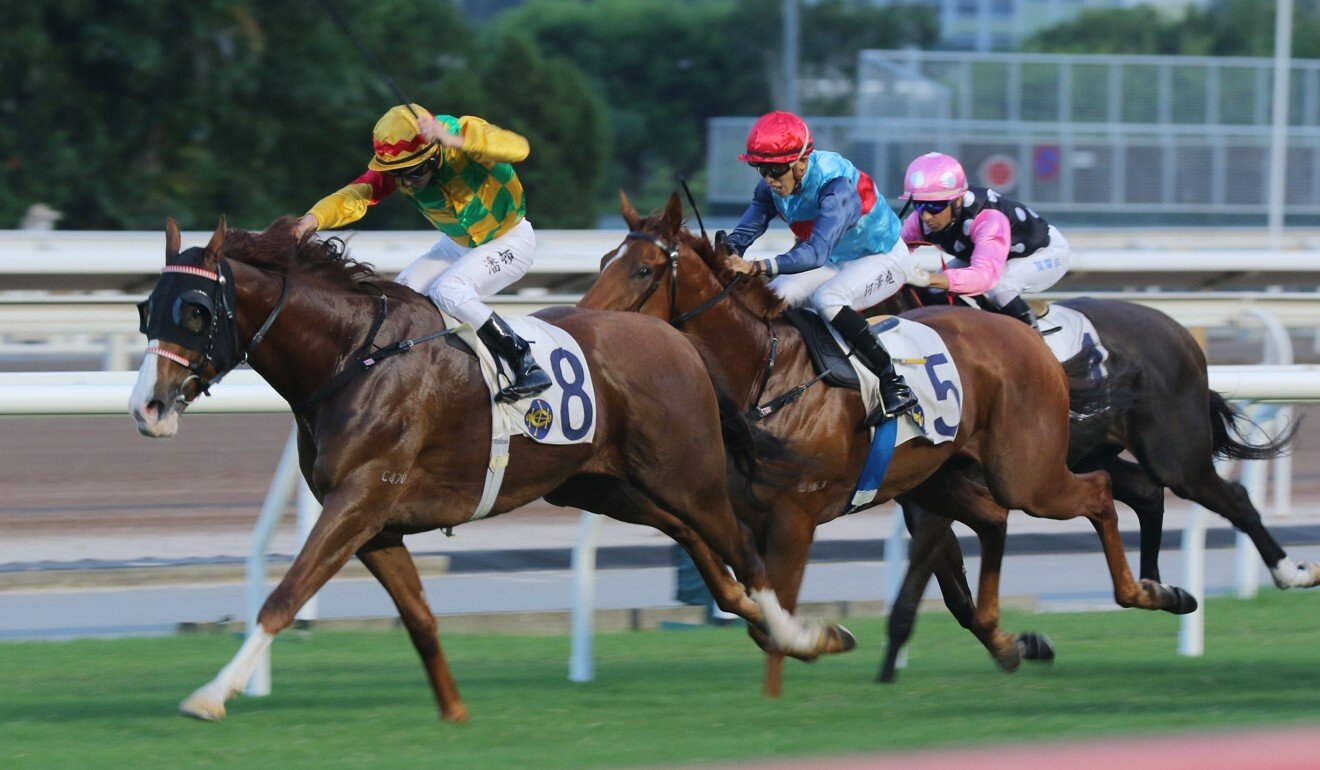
[(1146, 135)]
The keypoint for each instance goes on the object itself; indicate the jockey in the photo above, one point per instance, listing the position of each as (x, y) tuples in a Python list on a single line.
[(999, 247), (458, 173), (847, 256)]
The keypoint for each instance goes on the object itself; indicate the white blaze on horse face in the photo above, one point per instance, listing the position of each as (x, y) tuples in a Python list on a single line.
[(618, 253), (156, 417)]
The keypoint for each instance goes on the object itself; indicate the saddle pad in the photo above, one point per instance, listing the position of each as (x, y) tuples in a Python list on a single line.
[(921, 356), (563, 414), (1067, 331)]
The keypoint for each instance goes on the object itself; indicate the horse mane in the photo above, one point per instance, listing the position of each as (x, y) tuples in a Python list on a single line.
[(756, 296), (327, 259)]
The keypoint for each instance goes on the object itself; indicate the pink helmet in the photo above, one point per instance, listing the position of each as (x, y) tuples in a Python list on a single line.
[(777, 137), (935, 177)]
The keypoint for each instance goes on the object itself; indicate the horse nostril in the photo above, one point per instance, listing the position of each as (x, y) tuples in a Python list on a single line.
[(153, 409)]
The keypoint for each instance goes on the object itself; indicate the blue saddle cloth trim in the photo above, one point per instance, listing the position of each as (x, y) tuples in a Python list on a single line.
[(876, 465)]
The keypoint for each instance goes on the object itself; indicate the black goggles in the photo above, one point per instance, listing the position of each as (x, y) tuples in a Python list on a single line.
[(414, 173), (771, 170), (932, 207)]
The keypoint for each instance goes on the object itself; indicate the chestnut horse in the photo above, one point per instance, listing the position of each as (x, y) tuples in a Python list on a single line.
[(1175, 427), (1014, 421), (393, 447)]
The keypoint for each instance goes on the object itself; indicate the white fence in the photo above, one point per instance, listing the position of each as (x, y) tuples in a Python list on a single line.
[(105, 327), (243, 390), (118, 261), (102, 393), (70, 294)]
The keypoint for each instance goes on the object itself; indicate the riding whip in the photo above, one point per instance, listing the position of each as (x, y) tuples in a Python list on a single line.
[(693, 201), (372, 61)]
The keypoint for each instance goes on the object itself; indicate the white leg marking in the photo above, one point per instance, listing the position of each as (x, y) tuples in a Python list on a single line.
[(786, 631), (208, 701), (1289, 574)]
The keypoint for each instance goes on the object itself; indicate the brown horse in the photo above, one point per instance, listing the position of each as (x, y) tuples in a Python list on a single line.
[(393, 447), (1175, 427), (1013, 435)]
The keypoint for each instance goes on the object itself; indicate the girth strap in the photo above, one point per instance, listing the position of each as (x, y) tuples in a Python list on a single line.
[(364, 359)]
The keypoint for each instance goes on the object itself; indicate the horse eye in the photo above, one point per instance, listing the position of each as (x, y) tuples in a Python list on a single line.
[(643, 271), (193, 317)]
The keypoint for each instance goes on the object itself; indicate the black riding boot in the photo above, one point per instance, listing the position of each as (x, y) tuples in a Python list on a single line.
[(528, 378), (895, 395), (1019, 309)]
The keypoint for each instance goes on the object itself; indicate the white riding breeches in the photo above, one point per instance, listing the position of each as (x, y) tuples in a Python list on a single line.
[(859, 284), (458, 278), (1032, 274)]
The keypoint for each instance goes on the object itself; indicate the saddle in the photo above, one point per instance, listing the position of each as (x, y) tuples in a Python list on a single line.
[(827, 356)]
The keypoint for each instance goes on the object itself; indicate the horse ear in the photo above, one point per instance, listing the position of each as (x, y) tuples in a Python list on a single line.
[(673, 215), (721, 244), (630, 215), (172, 240), (217, 243)]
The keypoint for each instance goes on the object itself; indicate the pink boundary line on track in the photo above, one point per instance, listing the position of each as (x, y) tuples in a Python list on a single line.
[(1291, 749)]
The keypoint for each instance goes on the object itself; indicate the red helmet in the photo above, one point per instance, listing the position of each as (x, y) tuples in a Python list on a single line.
[(778, 137)]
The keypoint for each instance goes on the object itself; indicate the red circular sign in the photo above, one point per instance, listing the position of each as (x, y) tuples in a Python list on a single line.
[(998, 171)]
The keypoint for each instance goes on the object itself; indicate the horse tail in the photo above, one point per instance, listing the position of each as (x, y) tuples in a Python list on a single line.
[(1227, 421), (1094, 403)]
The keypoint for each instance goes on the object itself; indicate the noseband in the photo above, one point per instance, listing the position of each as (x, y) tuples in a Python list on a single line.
[(676, 318)]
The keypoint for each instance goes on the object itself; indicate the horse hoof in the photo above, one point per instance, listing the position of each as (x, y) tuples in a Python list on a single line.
[(202, 706), (846, 641), (457, 715), (1035, 646), (888, 674), (1183, 602)]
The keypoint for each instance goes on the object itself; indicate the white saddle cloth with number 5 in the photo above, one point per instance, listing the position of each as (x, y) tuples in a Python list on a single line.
[(922, 358)]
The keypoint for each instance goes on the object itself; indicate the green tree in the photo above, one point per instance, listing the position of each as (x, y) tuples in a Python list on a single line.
[(663, 67), (832, 32), (549, 101), (666, 67), (1139, 30), (1220, 28), (120, 114)]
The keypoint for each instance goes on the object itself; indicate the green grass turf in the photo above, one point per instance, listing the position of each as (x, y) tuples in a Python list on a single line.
[(359, 699)]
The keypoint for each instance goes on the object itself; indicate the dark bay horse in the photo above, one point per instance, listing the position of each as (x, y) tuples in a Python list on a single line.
[(1175, 426), (404, 447), (1014, 427)]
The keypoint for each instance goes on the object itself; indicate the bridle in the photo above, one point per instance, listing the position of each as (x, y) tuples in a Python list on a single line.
[(670, 251), (758, 411), (220, 301), (226, 355)]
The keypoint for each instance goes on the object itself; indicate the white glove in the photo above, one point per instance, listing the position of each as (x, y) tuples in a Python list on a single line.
[(918, 276)]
